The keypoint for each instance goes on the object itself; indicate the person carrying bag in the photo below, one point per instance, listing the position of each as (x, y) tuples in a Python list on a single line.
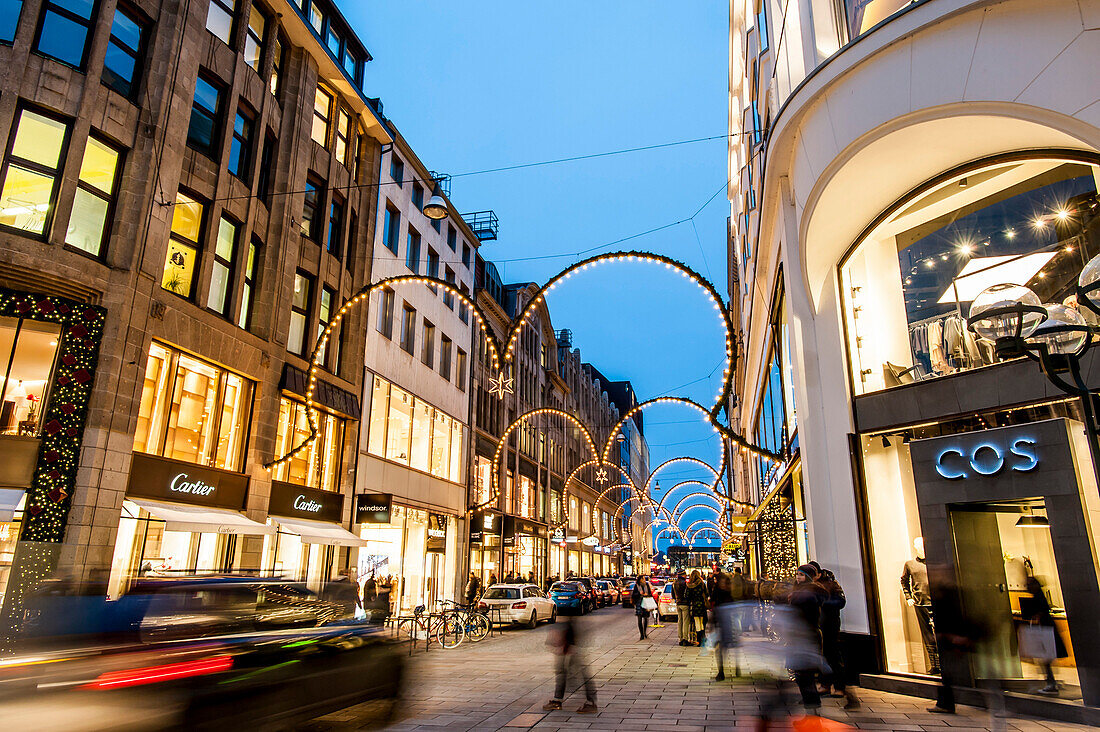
[(696, 596), (642, 599)]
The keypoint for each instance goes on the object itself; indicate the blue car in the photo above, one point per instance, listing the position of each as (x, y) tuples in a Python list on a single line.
[(572, 596)]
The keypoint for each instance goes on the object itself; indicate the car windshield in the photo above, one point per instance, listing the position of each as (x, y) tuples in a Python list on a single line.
[(564, 587), (603, 585), (668, 588), (501, 593)]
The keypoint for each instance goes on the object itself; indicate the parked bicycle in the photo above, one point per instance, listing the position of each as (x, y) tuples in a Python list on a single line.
[(447, 628), (475, 623)]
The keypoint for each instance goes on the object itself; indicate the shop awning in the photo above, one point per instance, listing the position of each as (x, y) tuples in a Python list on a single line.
[(201, 519), (319, 532), (9, 501)]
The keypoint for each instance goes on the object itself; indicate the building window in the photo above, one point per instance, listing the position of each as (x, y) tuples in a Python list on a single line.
[(409, 431), (452, 237), (397, 171), (466, 255), (391, 228), (332, 39), (433, 266), (277, 65), (126, 47), (89, 224), (254, 40), (349, 256), (351, 65), (322, 116), (762, 25), (244, 316), (63, 31), (316, 17), (221, 277), (240, 149), (445, 357), (418, 196), (428, 347), (267, 168), (412, 252), (385, 313), (460, 370), (299, 314), (324, 315), (9, 19), (183, 246), (436, 224), (311, 209), (408, 328), (335, 225), (343, 134), (317, 466), (219, 19), (31, 171), (192, 410), (206, 116), (463, 308), (448, 297)]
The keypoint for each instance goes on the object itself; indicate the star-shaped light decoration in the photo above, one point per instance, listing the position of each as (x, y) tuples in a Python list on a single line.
[(601, 475), (500, 385)]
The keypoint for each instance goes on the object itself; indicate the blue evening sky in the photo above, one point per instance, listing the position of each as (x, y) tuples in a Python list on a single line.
[(476, 85)]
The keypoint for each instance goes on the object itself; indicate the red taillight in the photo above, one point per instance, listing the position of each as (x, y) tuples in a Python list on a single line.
[(482, 606), (158, 674), (519, 605)]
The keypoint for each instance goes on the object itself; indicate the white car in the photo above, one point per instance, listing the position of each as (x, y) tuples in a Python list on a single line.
[(522, 604), (666, 605)]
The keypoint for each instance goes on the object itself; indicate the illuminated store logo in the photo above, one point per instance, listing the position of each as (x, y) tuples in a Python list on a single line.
[(987, 459), (304, 504), (180, 484)]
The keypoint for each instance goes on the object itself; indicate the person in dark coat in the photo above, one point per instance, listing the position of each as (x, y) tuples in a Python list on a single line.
[(683, 614), (642, 589), (697, 600), (1035, 610), (473, 589), (831, 606), (564, 641), (806, 598)]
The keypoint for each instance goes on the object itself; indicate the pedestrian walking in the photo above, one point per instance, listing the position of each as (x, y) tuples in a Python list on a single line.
[(696, 596), (806, 598), (1039, 639), (834, 682), (721, 598), (641, 597), (510, 578), (565, 643), (492, 579), (473, 589), (343, 592), (683, 612)]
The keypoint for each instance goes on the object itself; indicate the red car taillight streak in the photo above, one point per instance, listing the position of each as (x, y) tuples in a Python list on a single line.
[(158, 674), (519, 605)]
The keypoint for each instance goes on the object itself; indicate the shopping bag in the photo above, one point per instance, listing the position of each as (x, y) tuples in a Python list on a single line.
[(818, 724), (648, 603), (1037, 642)]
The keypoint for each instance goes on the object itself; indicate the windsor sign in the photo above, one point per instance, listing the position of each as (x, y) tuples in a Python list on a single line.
[(163, 479)]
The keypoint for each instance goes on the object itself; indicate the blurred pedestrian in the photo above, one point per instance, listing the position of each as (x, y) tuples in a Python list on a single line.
[(806, 598), (696, 596), (531, 578), (510, 578), (473, 589), (831, 606), (492, 578), (638, 596), (720, 598), (565, 643), (683, 613), (1039, 639), (343, 592)]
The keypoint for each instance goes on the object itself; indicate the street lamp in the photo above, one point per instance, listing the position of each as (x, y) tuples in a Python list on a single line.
[(436, 207)]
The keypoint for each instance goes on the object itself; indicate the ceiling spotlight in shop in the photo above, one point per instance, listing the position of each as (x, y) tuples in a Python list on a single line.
[(1062, 215), (1032, 521), (1010, 234)]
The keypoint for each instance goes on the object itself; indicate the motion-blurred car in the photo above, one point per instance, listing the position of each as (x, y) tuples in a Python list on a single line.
[(610, 592), (194, 653), (521, 604), (572, 596), (666, 604)]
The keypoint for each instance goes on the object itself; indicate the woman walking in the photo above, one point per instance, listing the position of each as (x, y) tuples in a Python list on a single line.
[(641, 592), (696, 596)]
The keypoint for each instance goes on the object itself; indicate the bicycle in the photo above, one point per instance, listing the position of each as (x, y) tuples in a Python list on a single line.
[(475, 623), (445, 628)]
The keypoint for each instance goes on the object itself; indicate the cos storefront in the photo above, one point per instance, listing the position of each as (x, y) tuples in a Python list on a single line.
[(179, 518)]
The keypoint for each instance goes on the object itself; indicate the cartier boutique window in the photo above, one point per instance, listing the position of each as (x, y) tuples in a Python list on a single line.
[(318, 466), (27, 352), (193, 410), (907, 286)]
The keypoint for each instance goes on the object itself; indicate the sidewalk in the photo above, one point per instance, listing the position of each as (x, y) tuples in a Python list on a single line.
[(502, 683)]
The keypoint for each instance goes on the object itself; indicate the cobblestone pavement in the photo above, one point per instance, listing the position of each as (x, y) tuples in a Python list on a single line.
[(502, 683)]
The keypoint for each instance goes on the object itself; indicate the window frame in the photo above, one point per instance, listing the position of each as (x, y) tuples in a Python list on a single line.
[(230, 266), (408, 328), (249, 284), (304, 312), (144, 24), (260, 42), (391, 228), (35, 167), (314, 232), (427, 345), (232, 13), (326, 120), (385, 313), (412, 253), (111, 198), (88, 23), (446, 347), (243, 143), (217, 118), (336, 202), (197, 245), (397, 171), (14, 27)]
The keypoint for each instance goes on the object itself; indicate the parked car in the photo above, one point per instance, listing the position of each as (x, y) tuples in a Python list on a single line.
[(610, 592), (593, 591), (666, 604), (572, 596), (522, 604), (627, 591)]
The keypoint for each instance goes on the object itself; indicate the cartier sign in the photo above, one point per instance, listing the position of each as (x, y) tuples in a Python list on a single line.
[(163, 479), (296, 501)]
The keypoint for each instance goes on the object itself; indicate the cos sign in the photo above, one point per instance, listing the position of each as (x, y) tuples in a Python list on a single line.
[(987, 458)]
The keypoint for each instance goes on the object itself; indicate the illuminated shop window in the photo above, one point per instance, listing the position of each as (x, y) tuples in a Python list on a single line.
[(407, 430), (192, 410), (27, 350), (318, 466)]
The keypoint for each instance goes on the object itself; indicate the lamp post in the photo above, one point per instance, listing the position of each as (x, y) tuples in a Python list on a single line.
[(1055, 336)]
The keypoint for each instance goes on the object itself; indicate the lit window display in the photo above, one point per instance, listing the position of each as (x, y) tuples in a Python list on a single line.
[(318, 466), (399, 554), (404, 429), (192, 410), (483, 479), (28, 349), (908, 284)]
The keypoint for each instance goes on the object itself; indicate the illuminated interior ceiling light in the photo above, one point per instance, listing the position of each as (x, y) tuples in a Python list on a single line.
[(965, 249), (1038, 222), (1062, 215)]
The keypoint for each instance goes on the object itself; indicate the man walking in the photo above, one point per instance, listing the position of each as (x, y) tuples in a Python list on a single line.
[(564, 642), (683, 613), (473, 588)]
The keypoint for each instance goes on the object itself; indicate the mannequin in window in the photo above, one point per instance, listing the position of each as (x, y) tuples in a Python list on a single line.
[(914, 585)]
